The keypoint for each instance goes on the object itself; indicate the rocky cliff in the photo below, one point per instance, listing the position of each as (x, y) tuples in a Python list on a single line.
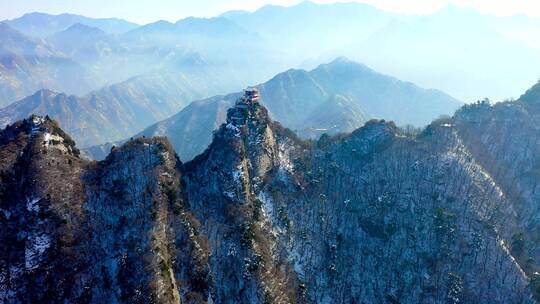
[(375, 216)]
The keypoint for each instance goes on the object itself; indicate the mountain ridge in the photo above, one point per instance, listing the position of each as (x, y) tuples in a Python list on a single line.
[(123, 108), (42, 24), (292, 96), (264, 215)]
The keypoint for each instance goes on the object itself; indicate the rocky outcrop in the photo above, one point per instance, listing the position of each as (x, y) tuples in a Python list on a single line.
[(375, 216), (115, 231)]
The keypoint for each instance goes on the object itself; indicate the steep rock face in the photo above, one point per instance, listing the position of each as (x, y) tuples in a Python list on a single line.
[(42, 211), (390, 219), (143, 239), (115, 231), (222, 186), (375, 216), (505, 140)]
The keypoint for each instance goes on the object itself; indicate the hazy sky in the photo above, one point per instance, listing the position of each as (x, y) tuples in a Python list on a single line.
[(144, 11)]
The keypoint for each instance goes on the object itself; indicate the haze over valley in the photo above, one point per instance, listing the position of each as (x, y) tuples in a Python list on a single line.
[(304, 153)]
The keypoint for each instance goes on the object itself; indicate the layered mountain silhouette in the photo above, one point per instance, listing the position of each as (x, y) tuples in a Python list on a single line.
[(83, 56), (310, 29), (437, 51), (262, 216), (42, 25), (27, 65), (334, 98), (431, 51), (460, 51), (328, 183), (118, 111)]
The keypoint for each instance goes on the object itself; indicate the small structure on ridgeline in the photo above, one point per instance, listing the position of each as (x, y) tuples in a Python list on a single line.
[(248, 100), (250, 97)]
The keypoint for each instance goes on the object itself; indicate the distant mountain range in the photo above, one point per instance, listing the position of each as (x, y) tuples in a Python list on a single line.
[(310, 30), (43, 25), (245, 201), (118, 111), (27, 65), (469, 59), (85, 56), (459, 51), (334, 98)]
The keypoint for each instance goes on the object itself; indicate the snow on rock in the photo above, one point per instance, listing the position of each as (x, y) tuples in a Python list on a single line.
[(32, 204), (37, 121), (284, 159), (51, 139), (267, 206), (166, 158), (34, 250), (238, 174), (234, 129), (235, 187)]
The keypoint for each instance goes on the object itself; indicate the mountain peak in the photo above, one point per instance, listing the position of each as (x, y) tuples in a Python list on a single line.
[(247, 111), (35, 15), (45, 92), (343, 64), (306, 4), (44, 25), (532, 95), (83, 28), (342, 60), (454, 9), (45, 130), (156, 145)]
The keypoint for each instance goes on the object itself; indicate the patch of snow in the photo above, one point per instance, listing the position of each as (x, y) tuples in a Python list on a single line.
[(48, 137), (32, 205), (516, 264), (166, 158), (232, 250), (234, 129), (7, 213), (230, 194), (238, 174), (34, 249), (267, 206), (285, 164), (296, 258), (37, 121)]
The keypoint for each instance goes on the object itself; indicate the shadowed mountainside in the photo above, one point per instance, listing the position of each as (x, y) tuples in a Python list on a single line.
[(261, 216)]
